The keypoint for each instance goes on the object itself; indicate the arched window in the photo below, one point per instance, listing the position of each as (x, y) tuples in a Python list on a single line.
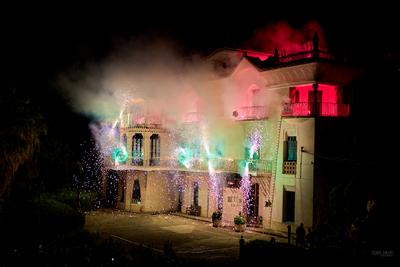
[(137, 150), (155, 150), (136, 192)]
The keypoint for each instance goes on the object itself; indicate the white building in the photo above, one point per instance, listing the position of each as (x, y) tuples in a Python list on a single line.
[(270, 122)]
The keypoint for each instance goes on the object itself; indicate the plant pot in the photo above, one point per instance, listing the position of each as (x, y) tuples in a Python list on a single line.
[(216, 223), (240, 227)]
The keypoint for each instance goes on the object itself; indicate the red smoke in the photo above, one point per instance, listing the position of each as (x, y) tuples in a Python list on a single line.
[(286, 38)]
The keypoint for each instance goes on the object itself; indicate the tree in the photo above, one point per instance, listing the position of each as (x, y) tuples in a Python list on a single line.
[(22, 127)]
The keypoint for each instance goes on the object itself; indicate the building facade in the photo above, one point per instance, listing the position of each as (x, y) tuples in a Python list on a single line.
[(253, 150)]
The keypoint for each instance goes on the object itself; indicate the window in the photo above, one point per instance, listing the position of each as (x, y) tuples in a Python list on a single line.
[(292, 148), (289, 155), (137, 149), (154, 150), (136, 192), (294, 95)]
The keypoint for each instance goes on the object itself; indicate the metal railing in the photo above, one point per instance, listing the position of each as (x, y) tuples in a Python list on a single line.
[(218, 165), (142, 120), (304, 55), (323, 109), (250, 113), (192, 117)]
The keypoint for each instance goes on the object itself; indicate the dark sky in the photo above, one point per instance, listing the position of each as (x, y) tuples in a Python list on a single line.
[(48, 39)]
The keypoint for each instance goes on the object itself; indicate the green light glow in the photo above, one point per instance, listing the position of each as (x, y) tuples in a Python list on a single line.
[(119, 155), (185, 156)]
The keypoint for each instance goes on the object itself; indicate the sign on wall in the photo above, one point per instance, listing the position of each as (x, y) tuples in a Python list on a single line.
[(232, 204)]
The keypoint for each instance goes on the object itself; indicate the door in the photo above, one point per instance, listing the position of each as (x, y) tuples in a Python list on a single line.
[(288, 206), (253, 201), (195, 194)]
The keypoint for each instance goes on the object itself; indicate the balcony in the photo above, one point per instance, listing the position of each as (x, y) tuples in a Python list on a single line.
[(191, 117), (142, 121), (304, 55), (306, 109), (289, 167), (260, 166), (250, 113), (218, 165)]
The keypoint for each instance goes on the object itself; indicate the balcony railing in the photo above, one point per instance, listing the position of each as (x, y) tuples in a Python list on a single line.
[(141, 120), (298, 109), (218, 165), (192, 117), (304, 55), (304, 109), (250, 113), (289, 167), (260, 166)]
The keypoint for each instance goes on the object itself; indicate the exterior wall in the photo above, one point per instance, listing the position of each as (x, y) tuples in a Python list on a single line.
[(305, 173), (205, 200), (161, 192), (302, 182), (130, 178), (165, 142), (232, 204)]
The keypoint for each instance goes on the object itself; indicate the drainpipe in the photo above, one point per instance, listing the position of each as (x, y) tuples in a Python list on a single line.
[(301, 160)]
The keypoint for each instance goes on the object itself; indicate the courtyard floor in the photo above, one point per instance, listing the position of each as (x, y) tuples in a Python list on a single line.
[(190, 238)]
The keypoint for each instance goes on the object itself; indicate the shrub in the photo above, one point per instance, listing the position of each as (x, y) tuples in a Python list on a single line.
[(239, 219), (217, 215), (55, 216), (69, 196)]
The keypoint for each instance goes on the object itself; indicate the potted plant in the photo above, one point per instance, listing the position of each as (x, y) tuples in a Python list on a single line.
[(216, 218), (240, 223)]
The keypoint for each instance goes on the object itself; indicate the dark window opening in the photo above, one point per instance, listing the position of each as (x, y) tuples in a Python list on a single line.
[(195, 194), (233, 181), (291, 148), (288, 206), (137, 150), (289, 155), (154, 150), (136, 192)]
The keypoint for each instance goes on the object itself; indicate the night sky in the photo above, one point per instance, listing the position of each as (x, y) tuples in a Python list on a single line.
[(56, 37)]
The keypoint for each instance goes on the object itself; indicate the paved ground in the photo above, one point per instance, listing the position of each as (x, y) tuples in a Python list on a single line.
[(190, 238)]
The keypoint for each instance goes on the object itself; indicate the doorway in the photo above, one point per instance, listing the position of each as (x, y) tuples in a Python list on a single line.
[(288, 206), (253, 201)]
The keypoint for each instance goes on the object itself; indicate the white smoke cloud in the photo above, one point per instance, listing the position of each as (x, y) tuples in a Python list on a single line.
[(154, 78)]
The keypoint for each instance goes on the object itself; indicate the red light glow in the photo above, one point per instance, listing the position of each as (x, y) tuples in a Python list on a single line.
[(328, 99), (286, 38)]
